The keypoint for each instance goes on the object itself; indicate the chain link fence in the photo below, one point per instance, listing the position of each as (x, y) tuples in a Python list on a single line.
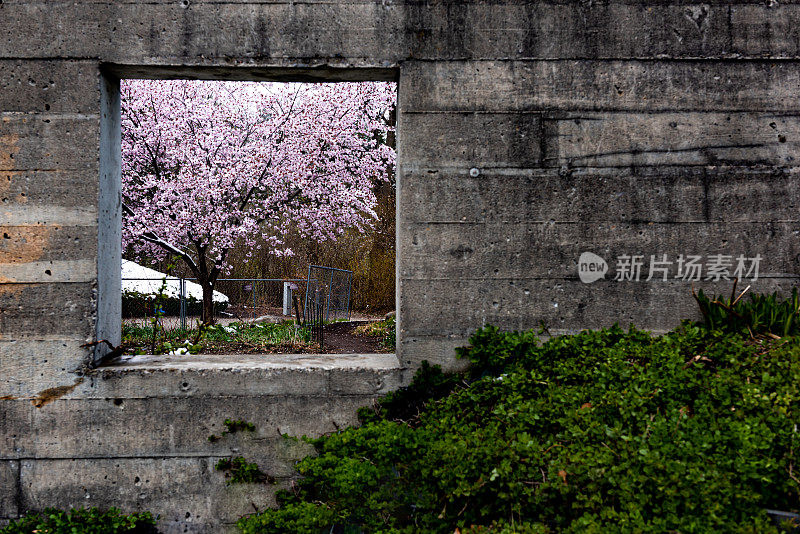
[(329, 288), (323, 297), (235, 299)]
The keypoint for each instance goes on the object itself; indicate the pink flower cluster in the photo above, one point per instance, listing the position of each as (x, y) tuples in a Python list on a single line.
[(208, 164)]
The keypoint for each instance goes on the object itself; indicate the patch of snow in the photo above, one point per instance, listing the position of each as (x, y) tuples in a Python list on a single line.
[(152, 280)]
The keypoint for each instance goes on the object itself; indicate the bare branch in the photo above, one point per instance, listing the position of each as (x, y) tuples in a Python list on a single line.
[(151, 237)]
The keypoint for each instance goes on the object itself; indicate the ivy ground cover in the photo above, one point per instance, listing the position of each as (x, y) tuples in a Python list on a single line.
[(604, 431)]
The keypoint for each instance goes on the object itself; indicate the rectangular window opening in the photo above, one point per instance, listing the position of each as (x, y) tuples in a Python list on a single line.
[(246, 213)]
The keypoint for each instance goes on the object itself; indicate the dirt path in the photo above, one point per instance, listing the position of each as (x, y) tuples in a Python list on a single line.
[(340, 339)]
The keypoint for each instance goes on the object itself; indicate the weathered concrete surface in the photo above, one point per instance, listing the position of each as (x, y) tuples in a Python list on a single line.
[(129, 428), (563, 306), (36, 363), (48, 86), (592, 85), (58, 196), (393, 31), (687, 194), (529, 132), (9, 477), (245, 375), (52, 308), (40, 241), (193, 495), (243, 363), (135, 435), (49, 141), (462, 138), (550, 250), (647, 140)]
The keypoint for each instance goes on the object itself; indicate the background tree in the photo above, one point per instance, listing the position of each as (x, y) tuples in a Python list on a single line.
[(370, 255), (207, 165)]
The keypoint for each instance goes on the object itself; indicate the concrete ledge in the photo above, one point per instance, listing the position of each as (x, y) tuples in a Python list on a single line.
[(255, 361), (244, 375)]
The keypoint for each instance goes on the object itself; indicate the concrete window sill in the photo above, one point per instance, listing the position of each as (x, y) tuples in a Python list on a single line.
[(238, 375), (256, 361)]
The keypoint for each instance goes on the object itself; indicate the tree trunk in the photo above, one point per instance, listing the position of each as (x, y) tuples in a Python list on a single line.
[(208, 302)]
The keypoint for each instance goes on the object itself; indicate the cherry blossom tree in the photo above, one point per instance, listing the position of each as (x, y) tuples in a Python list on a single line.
[(209, 164)]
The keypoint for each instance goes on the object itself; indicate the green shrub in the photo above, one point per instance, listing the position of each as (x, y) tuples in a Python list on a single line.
[(259, 334), (429, 384), (297, 517), (81, 521), (231, 337), (604, 431), (758, 315), (136, 304)]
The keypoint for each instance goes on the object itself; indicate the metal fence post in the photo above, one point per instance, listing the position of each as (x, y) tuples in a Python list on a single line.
[(328, 303), (287, 298), (308, 286), (182, 303), (349, 286)]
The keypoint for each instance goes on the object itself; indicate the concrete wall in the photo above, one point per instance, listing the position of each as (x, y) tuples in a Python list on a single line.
[(135, 436), (529, 132)]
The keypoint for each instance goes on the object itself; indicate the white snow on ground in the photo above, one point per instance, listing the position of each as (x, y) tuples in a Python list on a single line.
[(152, 285)]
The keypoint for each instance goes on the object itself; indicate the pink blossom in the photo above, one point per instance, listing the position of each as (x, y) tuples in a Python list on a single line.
[(208, 164)]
